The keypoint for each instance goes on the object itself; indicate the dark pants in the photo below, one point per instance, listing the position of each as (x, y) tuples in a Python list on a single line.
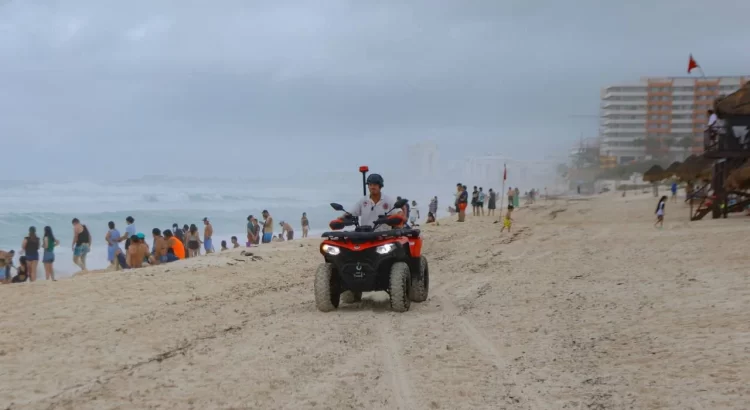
[(121, 260)]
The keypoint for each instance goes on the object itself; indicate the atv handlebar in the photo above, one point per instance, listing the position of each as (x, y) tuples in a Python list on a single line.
[(343, 222)]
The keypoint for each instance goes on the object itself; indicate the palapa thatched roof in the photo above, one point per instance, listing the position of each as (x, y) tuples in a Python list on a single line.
[(739, 178), (694, 167), (737, 103), (673, 167), (654, 174)]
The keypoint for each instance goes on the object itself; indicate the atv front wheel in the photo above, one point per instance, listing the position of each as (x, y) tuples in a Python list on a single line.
[(420, 286), (351, 297), (327, 293), (400, 285)]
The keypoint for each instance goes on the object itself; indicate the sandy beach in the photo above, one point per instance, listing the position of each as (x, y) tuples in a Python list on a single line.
[(583, 306)]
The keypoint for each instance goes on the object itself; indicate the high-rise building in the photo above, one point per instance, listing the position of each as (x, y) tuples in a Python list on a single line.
[(658, 117)]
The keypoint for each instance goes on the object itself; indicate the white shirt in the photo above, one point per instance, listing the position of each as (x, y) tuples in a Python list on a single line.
[(414, 214), (368, 212), (712, 120)]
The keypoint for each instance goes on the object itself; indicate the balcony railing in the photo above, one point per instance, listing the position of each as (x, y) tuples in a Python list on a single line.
[(723, 140)]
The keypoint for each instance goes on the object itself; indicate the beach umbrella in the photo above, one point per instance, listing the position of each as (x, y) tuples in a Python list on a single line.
[(654, 174)]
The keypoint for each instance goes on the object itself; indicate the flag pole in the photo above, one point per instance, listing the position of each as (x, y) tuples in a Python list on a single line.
[(502, 192), (702, 73)]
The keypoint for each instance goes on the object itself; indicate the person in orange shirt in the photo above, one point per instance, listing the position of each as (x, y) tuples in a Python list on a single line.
[(174, 246)]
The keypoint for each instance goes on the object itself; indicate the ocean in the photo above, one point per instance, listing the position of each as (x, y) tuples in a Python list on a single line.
[(160, 201)]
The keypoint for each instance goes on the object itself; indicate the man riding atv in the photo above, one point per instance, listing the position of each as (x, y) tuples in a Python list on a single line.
[(378, 255), (369, 208)]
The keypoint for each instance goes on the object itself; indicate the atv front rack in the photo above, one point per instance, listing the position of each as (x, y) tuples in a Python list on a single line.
[(370, 236)]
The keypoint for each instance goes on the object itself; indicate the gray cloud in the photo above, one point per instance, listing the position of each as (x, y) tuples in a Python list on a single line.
[(84, 78)]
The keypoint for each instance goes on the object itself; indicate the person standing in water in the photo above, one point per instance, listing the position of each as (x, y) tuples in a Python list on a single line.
[(267, 227), (194, 242), (252, 231), (184, 239), (305, 225), (81, 243), (130, 231), (112, 238), (258, 231), (660, 212), (208, 233), (48, 244), (30, 246)]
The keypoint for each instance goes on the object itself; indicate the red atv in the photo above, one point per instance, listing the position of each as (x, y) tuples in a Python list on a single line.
[(365, 260)]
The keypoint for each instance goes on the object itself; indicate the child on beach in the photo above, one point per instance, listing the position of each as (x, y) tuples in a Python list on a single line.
[(507, 220), (224, 246), (660, 212), (21, 271), (430, 218)]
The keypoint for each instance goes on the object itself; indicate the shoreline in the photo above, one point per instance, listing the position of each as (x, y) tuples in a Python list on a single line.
[(583, 304)]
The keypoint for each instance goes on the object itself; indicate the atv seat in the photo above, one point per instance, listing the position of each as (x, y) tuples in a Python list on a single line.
[(371, 236)]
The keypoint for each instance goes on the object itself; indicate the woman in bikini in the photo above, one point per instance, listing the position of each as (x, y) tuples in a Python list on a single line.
[(30, 246), (194, 241)]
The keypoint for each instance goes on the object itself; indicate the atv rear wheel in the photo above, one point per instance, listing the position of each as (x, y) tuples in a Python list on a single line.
[(400, 285), (420, 286), (327, 293), (351, 297)]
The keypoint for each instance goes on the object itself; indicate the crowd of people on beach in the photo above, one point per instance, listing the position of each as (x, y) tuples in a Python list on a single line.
[(479, 198), (167, 245), (184, 242)]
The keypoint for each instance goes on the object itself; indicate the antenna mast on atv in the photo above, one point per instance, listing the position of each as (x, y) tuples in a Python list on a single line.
[(363, 169)]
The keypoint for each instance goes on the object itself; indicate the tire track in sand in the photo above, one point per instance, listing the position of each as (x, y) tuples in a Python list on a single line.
[(485, 346), (402, 390)]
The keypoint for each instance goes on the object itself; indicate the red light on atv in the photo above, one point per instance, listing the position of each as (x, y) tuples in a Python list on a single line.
[(364, 168)]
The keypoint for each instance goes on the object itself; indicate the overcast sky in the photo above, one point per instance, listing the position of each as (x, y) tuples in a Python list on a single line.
[(88, 85)]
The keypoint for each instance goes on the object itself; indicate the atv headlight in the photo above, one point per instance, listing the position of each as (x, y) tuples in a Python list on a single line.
[(387, 248), (331, 250)]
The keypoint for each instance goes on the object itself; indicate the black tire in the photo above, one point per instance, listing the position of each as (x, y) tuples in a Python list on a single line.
[(420, 286), (351, 297), (327, 293), (400, 284)]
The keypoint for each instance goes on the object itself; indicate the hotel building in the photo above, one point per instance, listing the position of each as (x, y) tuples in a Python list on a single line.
[(654, 116)]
